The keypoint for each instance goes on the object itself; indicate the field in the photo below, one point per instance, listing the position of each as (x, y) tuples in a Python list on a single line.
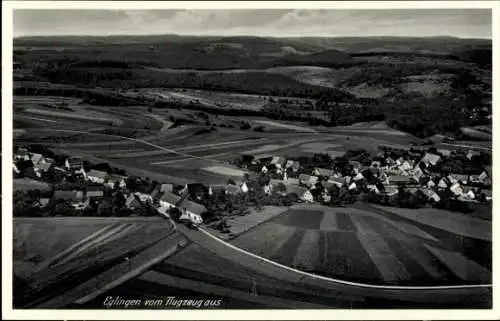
[(76, 248), (26, 184), (367, 245)]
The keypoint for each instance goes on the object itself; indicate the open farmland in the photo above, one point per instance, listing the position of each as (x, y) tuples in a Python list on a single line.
[(76, 249), (364, 245)]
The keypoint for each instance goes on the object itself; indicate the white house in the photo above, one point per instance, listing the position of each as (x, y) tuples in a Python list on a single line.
[(144, 198), (442, 183), (191, 211), (36, 158), (244, 187), (456, 189), (430, 159), (98, 177), (352, 186), (169, 200), (358, 177), (373, 188)]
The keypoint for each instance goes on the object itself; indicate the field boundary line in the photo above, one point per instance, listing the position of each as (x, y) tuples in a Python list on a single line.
[(134, 140), (363, 285)]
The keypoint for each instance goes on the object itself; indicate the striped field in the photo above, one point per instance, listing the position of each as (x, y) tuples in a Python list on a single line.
[(367, 246)]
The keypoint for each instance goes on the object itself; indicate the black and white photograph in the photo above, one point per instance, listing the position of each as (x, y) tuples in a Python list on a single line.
[(218, 158)]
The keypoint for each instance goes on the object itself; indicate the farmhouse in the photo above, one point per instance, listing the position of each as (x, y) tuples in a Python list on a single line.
[(144, 198), (98, 177), (469, 192), (308, 180), (456, 189), (278, 161), (244, 187), (132, 202), (444, 152), (169, 200), (43, 167), (192, 211), (302, 193), (430, 159), (74, 164), (443, 183), (431, 195), (471, 154), (36, 159)]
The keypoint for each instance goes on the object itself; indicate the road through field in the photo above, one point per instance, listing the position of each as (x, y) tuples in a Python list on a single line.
[(451, 295)]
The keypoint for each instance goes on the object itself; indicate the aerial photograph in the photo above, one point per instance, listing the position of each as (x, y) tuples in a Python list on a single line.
[(252, 159)]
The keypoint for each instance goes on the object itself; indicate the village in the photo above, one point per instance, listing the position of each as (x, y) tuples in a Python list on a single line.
[(404, 178)]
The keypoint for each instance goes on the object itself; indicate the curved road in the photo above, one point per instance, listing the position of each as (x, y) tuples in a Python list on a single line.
[(452, 295)]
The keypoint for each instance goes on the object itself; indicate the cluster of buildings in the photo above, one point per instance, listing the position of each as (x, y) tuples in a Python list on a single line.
[(95, 183), (383, 176)]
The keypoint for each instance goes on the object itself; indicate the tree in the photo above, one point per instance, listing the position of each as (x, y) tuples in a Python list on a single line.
[(174, 213)]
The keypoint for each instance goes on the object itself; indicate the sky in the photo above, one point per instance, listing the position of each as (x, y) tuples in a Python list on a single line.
[(463, 23)]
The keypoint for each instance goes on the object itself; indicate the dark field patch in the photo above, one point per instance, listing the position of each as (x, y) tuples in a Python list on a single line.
[(286, 253), (301, 219), (345, 223), (345, 258)]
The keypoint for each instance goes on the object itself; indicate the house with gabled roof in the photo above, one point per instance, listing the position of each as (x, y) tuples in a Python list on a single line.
[(278, 161), (373, 188), (431, 195), (486, 176), (443, 183), (191, 211), (461, 178), (430, 159), (308, 180), (132, 202), (472, 153), (169, 199), (456, 189), (445, 152), (36, 158), (469, 192), (96, 176), (74, 163)]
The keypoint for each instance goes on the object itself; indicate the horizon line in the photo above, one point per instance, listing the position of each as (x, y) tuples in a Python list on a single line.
[(242, 35)]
